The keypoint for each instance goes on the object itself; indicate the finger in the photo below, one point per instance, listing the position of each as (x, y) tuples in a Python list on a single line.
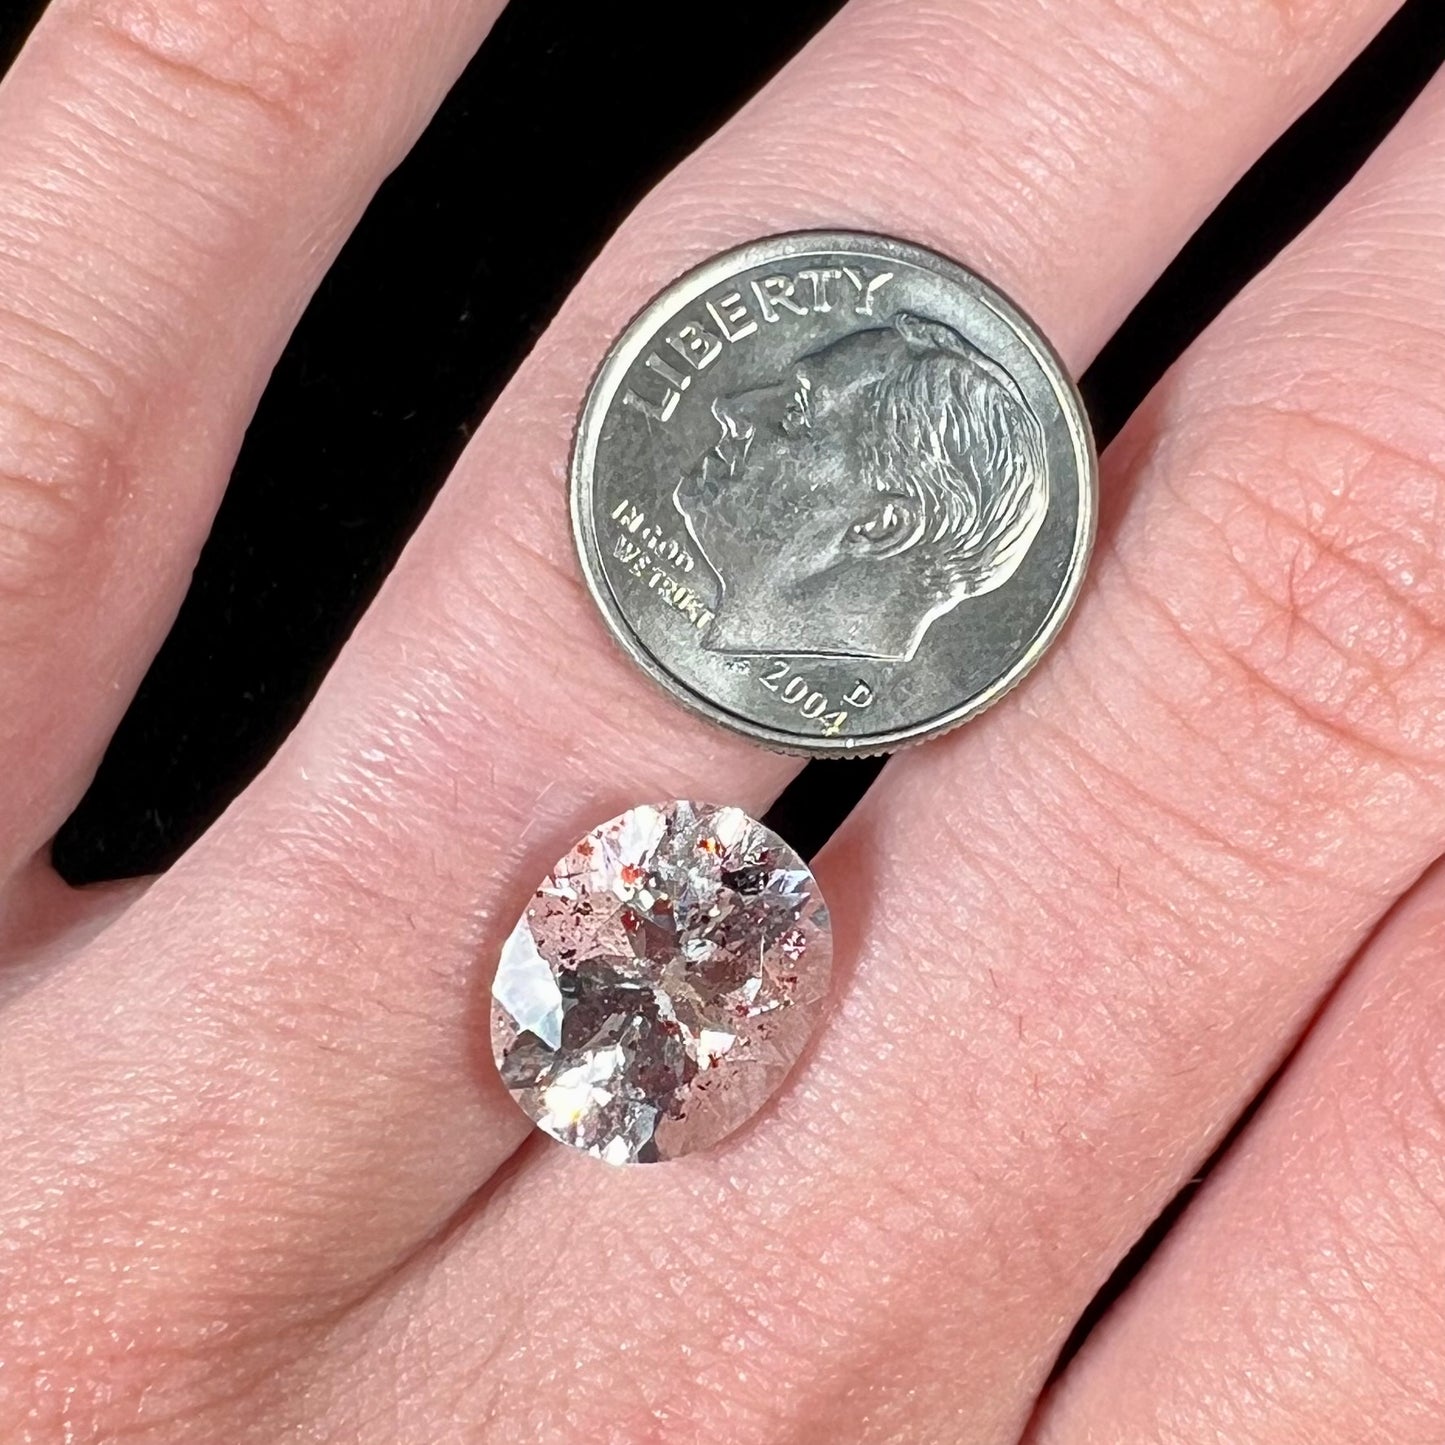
[(1086, 929), (175, 176), (477, 719), (46, 922), (1298, 1300)]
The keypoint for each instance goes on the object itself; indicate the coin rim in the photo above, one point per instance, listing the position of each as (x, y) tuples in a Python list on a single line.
[(641, 331)]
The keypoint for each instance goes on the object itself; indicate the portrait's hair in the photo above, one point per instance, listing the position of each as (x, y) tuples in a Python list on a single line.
[(953, 437)]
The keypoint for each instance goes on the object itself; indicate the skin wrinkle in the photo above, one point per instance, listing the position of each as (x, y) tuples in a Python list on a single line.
[(1253, 575), (1147, 678), (79, 362), (1288, 612), (297, 73), (93, 483), (1377, 406), (47, 525), (477, 1395), (1156, 68), (521, 590), (92, 136), (107, 386), (1345, 1210), (1081, 972), (420, 752), (1018, 190), (1198, 729), (88, 136), (703, 1303), (1187, 940), (149, 1384), (1417, 1112), (1243, 841), (64, 422), (1183, 821), (216, 1395), (1351, 1318), (262, 1184), (1029, 224), (50, 361), (1313, 714), (1039, 901), (1426, 337)]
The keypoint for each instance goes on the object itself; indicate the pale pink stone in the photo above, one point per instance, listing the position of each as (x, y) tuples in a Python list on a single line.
[(661, 983)]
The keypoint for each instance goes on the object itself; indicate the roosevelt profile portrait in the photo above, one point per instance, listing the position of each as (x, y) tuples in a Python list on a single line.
[(877, 483)]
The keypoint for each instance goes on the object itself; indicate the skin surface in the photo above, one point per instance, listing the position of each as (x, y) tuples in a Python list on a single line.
[(1300, 1300), (258, 1181)]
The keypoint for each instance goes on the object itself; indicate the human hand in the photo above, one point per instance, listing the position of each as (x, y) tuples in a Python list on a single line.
[(258, 1181)]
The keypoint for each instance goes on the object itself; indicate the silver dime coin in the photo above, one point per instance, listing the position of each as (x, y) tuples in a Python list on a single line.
[(835, 492)]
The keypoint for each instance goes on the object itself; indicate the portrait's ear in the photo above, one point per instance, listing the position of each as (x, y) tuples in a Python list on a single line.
[(892, 524)]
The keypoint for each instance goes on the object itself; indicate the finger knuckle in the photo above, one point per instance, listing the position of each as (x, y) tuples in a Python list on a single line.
[(62, 483), (1274, 32), (292, 60), (1313, 576)]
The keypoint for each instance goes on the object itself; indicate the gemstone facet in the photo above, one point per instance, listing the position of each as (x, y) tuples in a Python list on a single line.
[(661, 983)]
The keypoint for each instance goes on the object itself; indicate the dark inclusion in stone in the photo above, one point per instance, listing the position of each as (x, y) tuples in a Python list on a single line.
[(661, 983)]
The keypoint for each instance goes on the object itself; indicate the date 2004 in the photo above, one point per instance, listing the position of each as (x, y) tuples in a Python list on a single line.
[(779, 677)]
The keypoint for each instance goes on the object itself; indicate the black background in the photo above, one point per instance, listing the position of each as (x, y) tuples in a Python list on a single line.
[(411, 337)]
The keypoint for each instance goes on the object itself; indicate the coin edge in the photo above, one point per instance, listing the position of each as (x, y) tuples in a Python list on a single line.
[(686, 288)]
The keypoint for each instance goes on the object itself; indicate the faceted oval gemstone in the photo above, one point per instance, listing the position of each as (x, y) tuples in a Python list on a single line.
[(661, 983)]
